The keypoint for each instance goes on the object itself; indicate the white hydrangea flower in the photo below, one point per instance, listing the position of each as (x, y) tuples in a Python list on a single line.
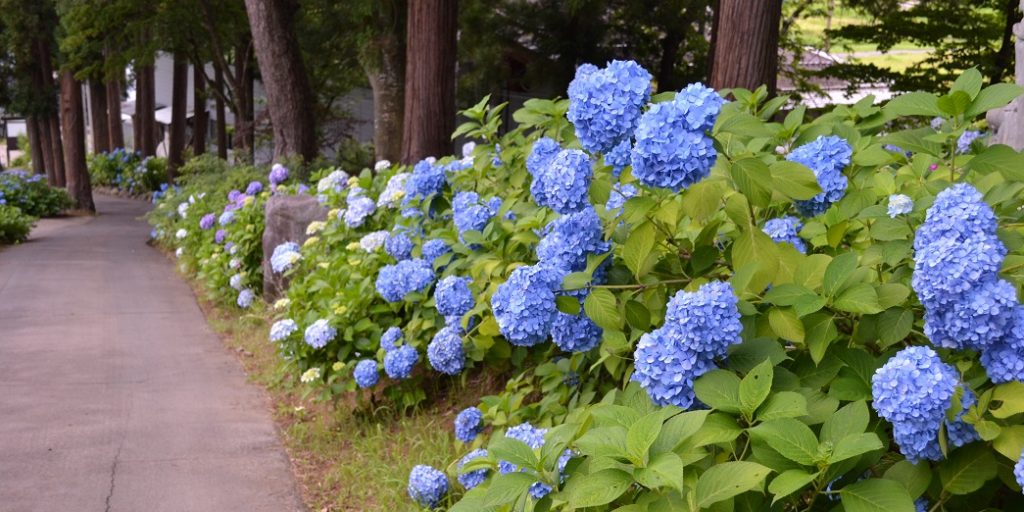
[(183, 209), (233, 250), (234, 264), (381, 165), (394, 192), (467, 149), (179, 252), (181, 234), (310, 375), (335, 181), (236, 281), (315, 227), (373, 241), (282, 303)]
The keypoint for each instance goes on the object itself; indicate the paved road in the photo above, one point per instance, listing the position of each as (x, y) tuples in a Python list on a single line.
[(114, 393)]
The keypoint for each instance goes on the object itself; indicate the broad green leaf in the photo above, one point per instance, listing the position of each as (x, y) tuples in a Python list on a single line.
[(954, 103), (786, 324), (665, 470), (745, 356), (1010, 442), (993, 97), (838, 271), (894, 324), (514, 451), (507, 488), (789, 482), (967, 469), (677, 429), (754, 179), (600, 307), (754, 388), (876, 495), (788, 294), (717, 428), (820, 331), (852, 446), (704, 199), (598, 488), (637, 315), (725, 480), (576, 280), (915, 477), (472, 501), (794, 180), (859, 298), (638, 247), (783, 404), (848, 421), (969, 82), (641, 436), (791, 438), (603, 442), (887, 229), (719, 389), (999, 158), (892, 294), (568, 304), (737, 208), (1007, 399), (753, 245), (915, 140), (914, 104)]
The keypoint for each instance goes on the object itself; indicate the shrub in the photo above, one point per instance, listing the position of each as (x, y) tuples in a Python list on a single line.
[(14, 225), (126, 170), (31, 194)]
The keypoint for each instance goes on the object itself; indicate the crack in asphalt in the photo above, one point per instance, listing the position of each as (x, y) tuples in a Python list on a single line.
[(113, 473)]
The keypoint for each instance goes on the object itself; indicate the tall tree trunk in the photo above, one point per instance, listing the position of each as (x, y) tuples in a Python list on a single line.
[(289, 95), (46, 152), (200, 117), (48, 138), (98, 116), (145, 105), (179, 113), (114, 127), (57, 148), (73, 128), (222, 126), (383, 59), (35, 148), (429, 79), (746, 50), (245, 126), (1004, 57)]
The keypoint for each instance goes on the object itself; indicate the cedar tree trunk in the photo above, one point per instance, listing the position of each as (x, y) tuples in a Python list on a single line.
[(179, 112), (74, 137), (429, 79), (114, 127), (57, 148), (35, 147), (145, 105), (98, 116), (200, 117), (222, 127), (746, 52), (383, 60)]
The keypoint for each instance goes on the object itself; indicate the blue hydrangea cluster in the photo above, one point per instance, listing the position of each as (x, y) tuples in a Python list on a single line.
[(245, 298), (672, 150), (524, 305), (468, 424), (605, 104), (785, 230), (921, 505), (389, 340), (619, 157), (827, 157), (365, 373), (900, 204), (427, 486), (963, 144), (406, 276), (426, 179), (1018, 470), (959, 212), (470, 213), (284, 256), (226, 218), (254, 188), (398, 363), (282, 329), (398, 245), (278, 175), (977, 319), (1004, 360), (699, 327), (453, 298), (912, 391), (618, 196), (445, 351), (434, 248), (541, 154), (219, 236), (701, 105), (359, 208), (207, 221), (319, 333), (575, 333), (564, 184), (570, 238), (471, 479)]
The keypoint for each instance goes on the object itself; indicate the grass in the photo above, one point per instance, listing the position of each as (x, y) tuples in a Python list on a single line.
[(344, 457)]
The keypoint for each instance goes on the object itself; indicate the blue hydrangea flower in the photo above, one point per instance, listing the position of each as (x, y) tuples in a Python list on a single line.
[(365, 373), (524, 305), (701, 106), (921, 505), (619, 194), (389, 340), (670, 152), (434, 248), (468, 424), (358, 210), (471, 479), (427, 486), (708, 319), (407, 276), (827, 157), (453, 298), (282, 329), (900, 204), (960, 213), (948, 267), (319, 333), (219, 236), (1004, 360), (570, 238), (564, 185), (937, 122), (912, 391), (470, 213), (976, 320), (619, 156), (234, 195), (207, 221), (394, 191), (398, 363), (278, 175), (575, 333), (245, 298), (541, 155), (226, 218), (958, 431), (534, 438), (254, 188), (398, 246), (785, 230), (604, 104), (285, 255), (370, 242), (445, 351), (963, 144), (666, 368), (1018, 470), (426, 179)]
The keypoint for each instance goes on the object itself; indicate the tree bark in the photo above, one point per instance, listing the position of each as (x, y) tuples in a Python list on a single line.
[(57, 149), (145, 106), (179, 113), (289, 95), (1004, 57), (35, 148), (200, 117), (746, 52), (98, 116), (114, 127), (245, 127), (429, 79), (222, 127), (383, 59), (73, 128)]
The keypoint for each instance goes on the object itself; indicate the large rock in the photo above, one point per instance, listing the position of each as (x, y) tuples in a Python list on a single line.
[(286, 220)]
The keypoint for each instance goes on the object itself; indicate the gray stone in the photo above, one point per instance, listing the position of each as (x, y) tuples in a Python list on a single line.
[(286, 220), (1008, 123)]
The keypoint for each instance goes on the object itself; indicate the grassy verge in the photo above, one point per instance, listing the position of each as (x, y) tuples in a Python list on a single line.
[(344, 456)]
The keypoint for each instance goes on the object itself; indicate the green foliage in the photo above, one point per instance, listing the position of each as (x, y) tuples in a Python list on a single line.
[(31, 194), (14, 225), (128, 171)]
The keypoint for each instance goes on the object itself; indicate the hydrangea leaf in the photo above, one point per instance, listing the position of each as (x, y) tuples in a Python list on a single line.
[(677, 429), (783, 404), (1010, 398), (795, 181), (1010, 441), (838, 272), (508, 488), (914, 104), (514, 451), (853, 446), (754, 179), (860, 298), (754, 388), (719, 389), (848, 421), (598, 488), (999, 158), (967, 469), (894, 324), (993, 97), (638, 247), (791, 438), (915, 477), (665, 470), (641, 435), (786, 324), (789, 482), (876, 495), (601, 307), (725, 480)]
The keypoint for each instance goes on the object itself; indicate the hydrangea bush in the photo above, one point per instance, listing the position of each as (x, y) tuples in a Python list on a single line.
[(703, 304)]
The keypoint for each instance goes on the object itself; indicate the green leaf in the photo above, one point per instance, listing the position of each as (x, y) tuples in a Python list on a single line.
[(853, 446), (568, 304), (969, 82), (838, 271), (576, 280), (665, 470), (954, 103), (728, 479), (967, 469), (887, 229), (754, 179), (916, 140), (848, 421), (719, 389), (638, 247), (993, 97), (507, 488), (677, 429), (754, 388), (892, 294), (915, 477), (821, 332), (794, 180), (876, 495), (737, 208), (514, 451), (894, 325), (783, 404), (914, 104), (472, 501), (637, 315), (1010, 442), (753, 245), (786, 324), (999, 158), (603, 442), (789, 482), (641, 436), (788, 294), (598, 488), (791, 438), (600, 307), (859, 298)]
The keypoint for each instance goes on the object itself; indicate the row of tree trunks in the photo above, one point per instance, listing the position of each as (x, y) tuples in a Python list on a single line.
[(429, 79), (98, 117), (73, 131)]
